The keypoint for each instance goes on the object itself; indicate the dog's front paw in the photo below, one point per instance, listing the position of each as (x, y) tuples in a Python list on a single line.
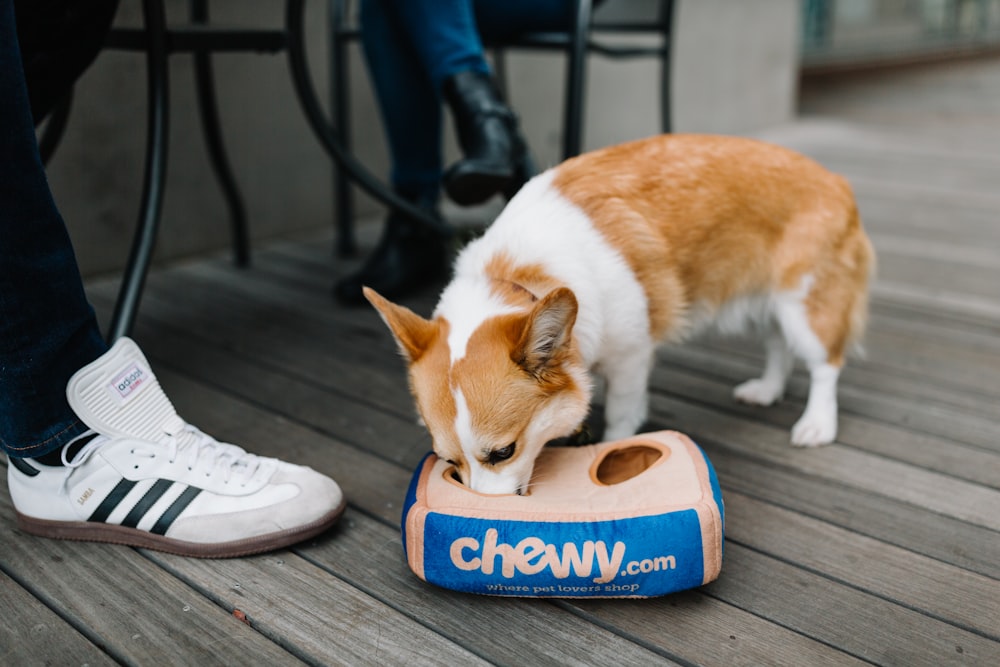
[(758, 392), (814, 429)]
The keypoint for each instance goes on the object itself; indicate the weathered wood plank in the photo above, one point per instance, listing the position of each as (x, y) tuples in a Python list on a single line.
[(937, 276), (957, 175), (861, 391), (890, 521), (469, 619), (132, 609), (967, 600), (703, 629), (316, 615), (900, 443), (957, 252), (931, 217), (900, 481), (828, 138), (864, 625), (948, 372), (32, 634), (980, 334), (936, 301)]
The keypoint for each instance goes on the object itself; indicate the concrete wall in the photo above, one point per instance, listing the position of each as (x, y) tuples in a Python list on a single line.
[(734, 71)]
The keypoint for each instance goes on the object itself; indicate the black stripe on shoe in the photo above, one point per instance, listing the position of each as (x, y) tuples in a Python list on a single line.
[(167, 518), (23, 466), (155, 493), (109, 504)]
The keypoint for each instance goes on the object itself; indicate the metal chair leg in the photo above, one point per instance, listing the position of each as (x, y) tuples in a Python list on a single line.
[(55, 125), (666, 28), (144, 240), (208, 110), (500, 72), (327, 135), (340, 116), (575, 80)]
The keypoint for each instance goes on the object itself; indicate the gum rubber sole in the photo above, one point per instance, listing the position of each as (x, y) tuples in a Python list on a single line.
[(84, 531)]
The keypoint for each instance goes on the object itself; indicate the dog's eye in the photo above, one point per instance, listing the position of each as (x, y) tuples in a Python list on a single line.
[(503, 454)]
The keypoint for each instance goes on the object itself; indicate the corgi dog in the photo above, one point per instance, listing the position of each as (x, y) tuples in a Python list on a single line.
[(597, 260)]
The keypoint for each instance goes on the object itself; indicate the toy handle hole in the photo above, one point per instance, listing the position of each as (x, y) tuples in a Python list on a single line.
[(620, 465)]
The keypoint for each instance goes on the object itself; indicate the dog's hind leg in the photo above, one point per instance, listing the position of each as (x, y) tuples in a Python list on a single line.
[(818, 423), (770, 386)]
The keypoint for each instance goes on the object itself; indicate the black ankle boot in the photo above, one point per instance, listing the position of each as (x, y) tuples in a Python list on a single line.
[(407, 258), (495, 153)]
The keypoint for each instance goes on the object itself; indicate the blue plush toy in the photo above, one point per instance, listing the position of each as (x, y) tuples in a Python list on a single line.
[(634, 518)]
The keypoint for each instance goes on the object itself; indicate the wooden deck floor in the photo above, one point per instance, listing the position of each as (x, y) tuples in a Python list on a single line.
[(883, 548)]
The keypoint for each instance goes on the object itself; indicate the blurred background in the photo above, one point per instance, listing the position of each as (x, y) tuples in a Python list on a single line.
[(761, 67)]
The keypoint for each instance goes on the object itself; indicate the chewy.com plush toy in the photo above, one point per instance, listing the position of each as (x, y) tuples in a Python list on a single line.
[(634, 518)]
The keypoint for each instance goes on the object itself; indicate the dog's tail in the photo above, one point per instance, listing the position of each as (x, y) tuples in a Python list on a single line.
[(861, 256)]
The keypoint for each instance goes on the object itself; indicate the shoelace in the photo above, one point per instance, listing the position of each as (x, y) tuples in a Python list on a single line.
[(202, 450), (81, 456)]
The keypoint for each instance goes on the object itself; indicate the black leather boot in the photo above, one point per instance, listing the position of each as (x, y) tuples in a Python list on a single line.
[(495, 153), (407, 258)]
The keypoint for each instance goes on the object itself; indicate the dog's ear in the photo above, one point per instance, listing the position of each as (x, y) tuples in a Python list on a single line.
[(413, 333), (547, 333)]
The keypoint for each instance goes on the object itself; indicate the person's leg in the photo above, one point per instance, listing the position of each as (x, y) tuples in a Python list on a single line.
[(419, 52), (59, 40), (443, 36), (409, 104), (47, 328), (129, 469), (407, 257)]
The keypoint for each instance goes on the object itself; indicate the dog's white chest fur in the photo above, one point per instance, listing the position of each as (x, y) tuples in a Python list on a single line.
[(540, 227)]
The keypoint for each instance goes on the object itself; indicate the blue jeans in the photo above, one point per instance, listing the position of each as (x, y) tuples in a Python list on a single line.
[(413, 46), (47, 328)]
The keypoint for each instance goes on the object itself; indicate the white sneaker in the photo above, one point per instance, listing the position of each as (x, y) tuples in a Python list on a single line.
[(146, 478)]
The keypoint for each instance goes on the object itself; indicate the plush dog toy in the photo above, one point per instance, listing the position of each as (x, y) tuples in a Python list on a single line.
[(638, 517)]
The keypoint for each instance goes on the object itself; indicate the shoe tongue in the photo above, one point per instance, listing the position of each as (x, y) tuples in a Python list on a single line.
[(118, 395)]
